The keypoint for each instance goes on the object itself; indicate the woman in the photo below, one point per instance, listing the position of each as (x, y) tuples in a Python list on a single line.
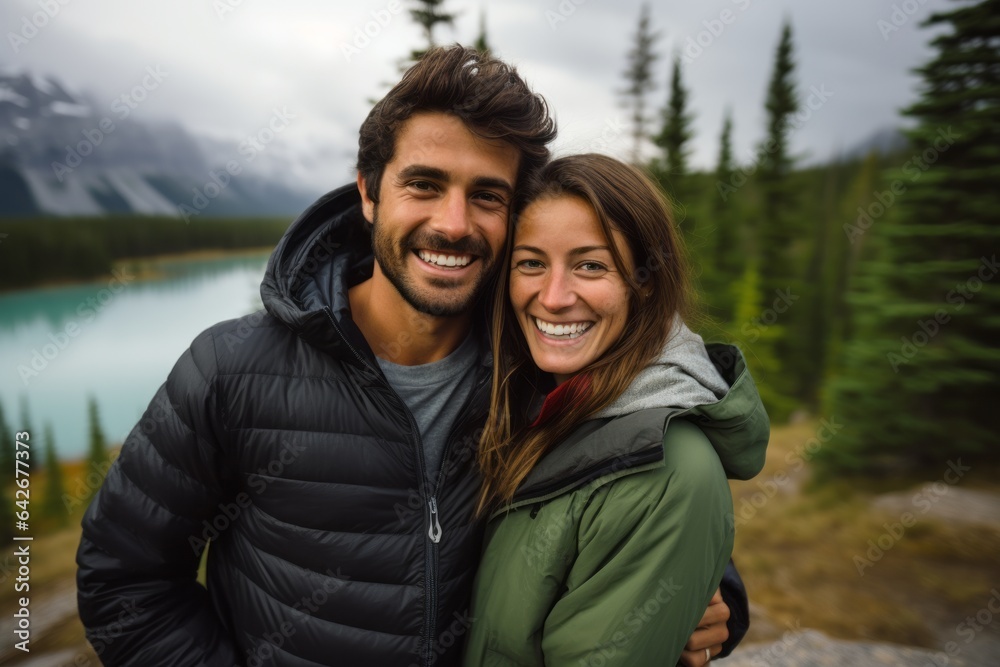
[(609, 511)]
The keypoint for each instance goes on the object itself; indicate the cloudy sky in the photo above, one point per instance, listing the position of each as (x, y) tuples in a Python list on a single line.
[(227, 65)]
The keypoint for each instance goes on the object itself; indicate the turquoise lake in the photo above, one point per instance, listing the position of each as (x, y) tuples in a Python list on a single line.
[(115, 339)]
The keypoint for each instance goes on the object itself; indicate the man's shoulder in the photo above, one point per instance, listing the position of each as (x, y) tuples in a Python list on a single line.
[(244, 344)]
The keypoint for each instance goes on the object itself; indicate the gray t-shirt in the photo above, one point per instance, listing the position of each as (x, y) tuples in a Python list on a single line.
[(435, 394)]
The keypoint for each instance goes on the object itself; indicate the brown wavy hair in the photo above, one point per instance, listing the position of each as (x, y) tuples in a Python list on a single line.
[(488, 95), (624, 200)]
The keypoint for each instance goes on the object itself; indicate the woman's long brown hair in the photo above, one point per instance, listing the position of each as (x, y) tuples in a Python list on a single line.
[(625, 200)]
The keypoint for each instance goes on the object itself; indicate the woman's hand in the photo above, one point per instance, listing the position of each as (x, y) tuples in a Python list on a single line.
[(709, 634)]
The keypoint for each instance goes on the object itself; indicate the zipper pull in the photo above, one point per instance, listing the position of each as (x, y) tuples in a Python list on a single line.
[(435, 532)]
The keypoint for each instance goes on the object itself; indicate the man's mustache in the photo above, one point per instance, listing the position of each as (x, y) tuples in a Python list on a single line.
[(439, 243)]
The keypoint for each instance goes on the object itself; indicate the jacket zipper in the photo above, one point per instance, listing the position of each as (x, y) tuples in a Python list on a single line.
[(434, 531), (430, 606)]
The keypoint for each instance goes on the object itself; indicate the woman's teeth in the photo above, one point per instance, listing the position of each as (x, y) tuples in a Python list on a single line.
[(574, 330), (444, 260)]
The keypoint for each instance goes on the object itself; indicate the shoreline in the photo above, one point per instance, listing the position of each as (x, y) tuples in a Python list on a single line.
[(142, 267)]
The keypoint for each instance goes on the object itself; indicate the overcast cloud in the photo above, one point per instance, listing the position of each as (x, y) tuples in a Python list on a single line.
[(229, 63)]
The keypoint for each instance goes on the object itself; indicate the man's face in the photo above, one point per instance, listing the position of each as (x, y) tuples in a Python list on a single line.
[(442, 218)]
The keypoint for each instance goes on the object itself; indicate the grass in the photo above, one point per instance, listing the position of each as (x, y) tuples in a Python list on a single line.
[(800, 555)]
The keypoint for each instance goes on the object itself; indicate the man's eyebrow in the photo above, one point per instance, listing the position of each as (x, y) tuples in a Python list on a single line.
[(422, 171), (494, 183), (438, 174)]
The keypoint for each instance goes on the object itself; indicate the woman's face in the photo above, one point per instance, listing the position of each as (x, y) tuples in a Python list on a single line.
[(567, 294)]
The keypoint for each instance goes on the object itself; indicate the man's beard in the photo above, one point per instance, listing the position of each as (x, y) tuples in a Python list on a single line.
[(392, 260)]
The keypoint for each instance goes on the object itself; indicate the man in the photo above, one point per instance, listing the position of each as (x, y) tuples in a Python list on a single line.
[(326, 448)]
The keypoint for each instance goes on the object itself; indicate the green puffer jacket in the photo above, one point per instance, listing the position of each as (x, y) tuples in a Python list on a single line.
[(612, 548)]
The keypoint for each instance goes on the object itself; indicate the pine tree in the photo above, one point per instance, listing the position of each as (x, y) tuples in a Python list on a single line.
[(98, 452), (427, 15), (52, 502), (726, 251), (775, 231), (7, 449), (756, 339), (676, 133), (920, 383), (640, 81), (482, 43), (36, 465), (7, 517)]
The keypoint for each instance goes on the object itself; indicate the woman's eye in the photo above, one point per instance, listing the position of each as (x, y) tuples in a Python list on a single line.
[(593, 267), (528, 265)]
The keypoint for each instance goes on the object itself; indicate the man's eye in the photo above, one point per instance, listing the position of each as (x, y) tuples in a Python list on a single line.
[(421, 185), (491, 198)]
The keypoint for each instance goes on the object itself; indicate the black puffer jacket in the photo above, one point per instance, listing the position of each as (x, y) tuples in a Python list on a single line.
[(277, 437)]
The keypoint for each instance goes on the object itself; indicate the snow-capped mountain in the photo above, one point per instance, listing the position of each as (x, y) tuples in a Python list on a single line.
[(60, 155)]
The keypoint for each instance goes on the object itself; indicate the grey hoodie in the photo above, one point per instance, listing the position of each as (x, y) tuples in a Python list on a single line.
[(682, 377)]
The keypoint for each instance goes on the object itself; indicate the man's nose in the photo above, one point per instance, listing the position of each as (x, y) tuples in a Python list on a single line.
[(453, 219)]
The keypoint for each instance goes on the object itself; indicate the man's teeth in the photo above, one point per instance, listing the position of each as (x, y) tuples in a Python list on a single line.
[(444, 260), (573, 330)]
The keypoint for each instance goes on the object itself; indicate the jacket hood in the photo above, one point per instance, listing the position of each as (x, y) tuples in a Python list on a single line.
[(323, 252), (683, 377), (708, 385)]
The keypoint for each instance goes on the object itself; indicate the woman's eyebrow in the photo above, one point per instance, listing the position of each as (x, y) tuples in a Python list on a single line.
[(575, 251)]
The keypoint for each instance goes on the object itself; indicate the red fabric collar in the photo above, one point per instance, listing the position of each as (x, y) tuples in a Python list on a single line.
[(565, 394)]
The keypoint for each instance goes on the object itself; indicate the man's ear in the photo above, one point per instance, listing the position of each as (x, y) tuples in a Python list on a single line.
[(367, 205)]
